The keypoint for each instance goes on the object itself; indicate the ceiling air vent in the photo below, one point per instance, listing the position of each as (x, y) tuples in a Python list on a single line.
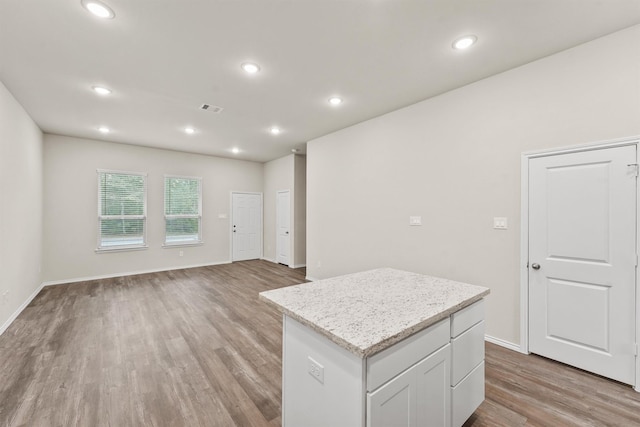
[(211, 108)]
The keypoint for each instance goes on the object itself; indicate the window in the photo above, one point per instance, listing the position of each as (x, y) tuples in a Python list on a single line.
[(122, 210), (182, 210)]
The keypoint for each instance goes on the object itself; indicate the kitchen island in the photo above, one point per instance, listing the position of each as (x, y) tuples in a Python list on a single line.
[(381, 348)]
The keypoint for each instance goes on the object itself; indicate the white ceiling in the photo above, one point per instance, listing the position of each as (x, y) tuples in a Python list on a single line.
[(164, 58)]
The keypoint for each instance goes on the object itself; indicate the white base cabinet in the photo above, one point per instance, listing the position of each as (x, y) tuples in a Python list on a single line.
[(434, 377), (467, 367), (417, 397)]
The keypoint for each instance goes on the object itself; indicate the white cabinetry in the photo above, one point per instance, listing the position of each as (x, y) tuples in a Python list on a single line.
[(408, 384), (417, 397), (381, 348), (434, 377), (467, 367)]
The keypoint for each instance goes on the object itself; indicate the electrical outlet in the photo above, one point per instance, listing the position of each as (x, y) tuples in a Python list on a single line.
[(181, 253), (500, 223), (316, 370)]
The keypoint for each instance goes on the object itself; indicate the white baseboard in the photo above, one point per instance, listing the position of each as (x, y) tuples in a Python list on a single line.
[(19, 310), (503, 343), (276, 262), (311, 279), (130, 273)]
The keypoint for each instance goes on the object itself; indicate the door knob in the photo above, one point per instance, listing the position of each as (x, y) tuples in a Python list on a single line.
[(535, 266)]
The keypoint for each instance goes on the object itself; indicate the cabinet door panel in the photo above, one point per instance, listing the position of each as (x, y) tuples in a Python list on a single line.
[(420, 396), (432, 375), (393, 404)]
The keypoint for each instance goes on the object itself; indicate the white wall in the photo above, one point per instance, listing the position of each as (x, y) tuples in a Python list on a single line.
[(300, 211), (278, 175), (70, 206), (286, 173), (455, 161), (20, 207)]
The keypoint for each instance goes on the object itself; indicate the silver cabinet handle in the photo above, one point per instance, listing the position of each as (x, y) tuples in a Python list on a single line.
[(535, 266)]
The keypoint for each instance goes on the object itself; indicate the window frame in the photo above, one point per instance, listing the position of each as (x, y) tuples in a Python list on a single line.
[(126, 247), (197, 216)]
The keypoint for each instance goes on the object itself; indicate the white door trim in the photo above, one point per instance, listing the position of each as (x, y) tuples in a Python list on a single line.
[(524, 235), (231, 221)]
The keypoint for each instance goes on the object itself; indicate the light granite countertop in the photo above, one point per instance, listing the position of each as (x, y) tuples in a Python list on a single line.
[(370, 311)]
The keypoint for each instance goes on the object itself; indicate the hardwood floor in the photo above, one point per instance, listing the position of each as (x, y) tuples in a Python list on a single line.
[(529, 390), (180, 348), (197, 348)]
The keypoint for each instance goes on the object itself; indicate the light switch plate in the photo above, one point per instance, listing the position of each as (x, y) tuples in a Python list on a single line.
[(415, 220), (500, 223)]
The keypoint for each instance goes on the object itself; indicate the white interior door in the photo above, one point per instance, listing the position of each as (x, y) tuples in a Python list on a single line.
[(582, 260), (283, 226), (246, 226)]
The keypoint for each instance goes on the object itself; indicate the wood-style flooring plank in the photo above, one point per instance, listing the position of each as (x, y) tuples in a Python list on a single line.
[(196, 347), (190, 347), (529, 390)]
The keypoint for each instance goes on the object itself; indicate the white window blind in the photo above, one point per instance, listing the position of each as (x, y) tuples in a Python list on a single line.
[(182, 210), (122, 210)]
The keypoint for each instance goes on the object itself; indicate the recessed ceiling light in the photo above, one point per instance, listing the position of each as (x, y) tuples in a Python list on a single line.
[(104, 129), (189, 130), (235, 150), (100, 90), (465, 42), (275, 130), (98, 9), (250, 67), (335, 100)]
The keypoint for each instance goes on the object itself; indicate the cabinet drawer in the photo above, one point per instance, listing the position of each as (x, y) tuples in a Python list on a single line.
[(467, 396), (466, 318), (383, 366), (467, 351)]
